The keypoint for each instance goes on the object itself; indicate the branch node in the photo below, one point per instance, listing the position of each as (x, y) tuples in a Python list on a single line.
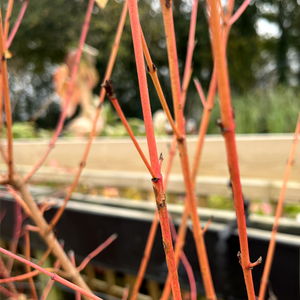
[(108, 85), (252, 265)]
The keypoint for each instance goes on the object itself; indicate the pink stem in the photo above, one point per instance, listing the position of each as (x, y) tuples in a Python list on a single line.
[(17, 24), (69, 92), (97, 251), (239, 12), (53, 276)]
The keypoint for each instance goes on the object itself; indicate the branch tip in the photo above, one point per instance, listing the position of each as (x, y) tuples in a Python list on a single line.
[(252, 265)]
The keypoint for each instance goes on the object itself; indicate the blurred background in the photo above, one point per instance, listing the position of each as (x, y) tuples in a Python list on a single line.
[(263, 58)]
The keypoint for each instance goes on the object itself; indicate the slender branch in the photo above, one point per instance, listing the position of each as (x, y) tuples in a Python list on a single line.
[(146, 257), (8, 116), (69, 92), (152, 70), (72, 258), (272, 245), (16, 234), (19, 200), (200, 91), (5, 274), (7, 293), (228, 129), (53, 276), (20, 277), (157, 180), (97, 251), (17, 24), (178, 109), (28, 268), (112, 96), (50, 283), (239, 12), (107, 75), (7, 18), (185, 263), (41, 223)]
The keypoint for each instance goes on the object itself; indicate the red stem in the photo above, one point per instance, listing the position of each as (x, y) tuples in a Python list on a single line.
[(53, 276), (117, 107), (69, 92), (228, 130), (272, 245), (97, 251), (157, 180), (17, 24)]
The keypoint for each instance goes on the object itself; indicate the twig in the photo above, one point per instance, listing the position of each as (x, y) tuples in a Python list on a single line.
[(19, 200), (72, 258), (7, 293), (69, 92), (157, 180), (5, 274), (8, 116), (41, 223), (28, 268), (146, 257), (7, 19), (228, 133), (107, 75), (20, 277), (272, 245), (152, 70), (185, 263), (16, 234), (97, 251), (178, 110), (112, 97), (239, 12), (17, 24), (50, 283), (53, 276), (200, 91)]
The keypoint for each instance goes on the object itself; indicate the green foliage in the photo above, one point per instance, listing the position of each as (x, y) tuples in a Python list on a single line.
[(27, 131), (260, 111)]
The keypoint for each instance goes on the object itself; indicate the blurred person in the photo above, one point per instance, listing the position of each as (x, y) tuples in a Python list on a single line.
[(82, 106)]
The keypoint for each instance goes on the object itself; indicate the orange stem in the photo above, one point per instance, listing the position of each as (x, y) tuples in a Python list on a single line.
[(272, 245), (152, 70), (178, 109), (28, 268), (228, 130), (8, 116), (7, 18)]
